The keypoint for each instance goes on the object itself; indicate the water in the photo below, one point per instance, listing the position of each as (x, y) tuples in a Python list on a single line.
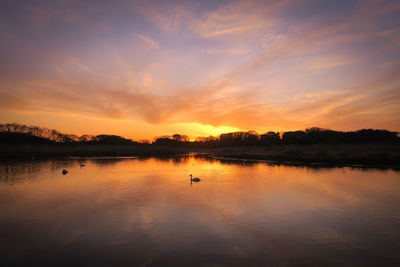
[(145, 212)]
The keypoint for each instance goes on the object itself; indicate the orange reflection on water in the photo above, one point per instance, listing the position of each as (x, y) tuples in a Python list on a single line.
[(149, 206)]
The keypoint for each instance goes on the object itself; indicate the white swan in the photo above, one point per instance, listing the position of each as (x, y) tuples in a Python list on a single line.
[(195, 179)]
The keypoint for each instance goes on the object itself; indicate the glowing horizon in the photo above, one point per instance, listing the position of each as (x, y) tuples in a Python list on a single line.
[(142, 69)]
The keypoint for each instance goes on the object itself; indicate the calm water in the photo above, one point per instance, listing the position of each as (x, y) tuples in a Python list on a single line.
[(145, 212)]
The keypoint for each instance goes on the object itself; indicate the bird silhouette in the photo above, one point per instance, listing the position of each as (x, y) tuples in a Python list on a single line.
[(195, 179)]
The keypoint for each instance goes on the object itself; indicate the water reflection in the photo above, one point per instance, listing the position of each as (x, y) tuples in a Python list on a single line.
[(130, 211)]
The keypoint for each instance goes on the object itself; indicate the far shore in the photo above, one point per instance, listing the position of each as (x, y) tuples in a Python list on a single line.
[(387, 155)]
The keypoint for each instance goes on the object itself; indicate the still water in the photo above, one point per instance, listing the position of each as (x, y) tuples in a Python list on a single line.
[(145, 212)]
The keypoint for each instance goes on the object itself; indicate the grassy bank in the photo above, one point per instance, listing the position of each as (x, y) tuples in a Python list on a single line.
[(365, 154), (65, 150)]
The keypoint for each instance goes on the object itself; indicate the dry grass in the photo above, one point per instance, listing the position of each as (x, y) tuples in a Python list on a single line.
[(366, 154)]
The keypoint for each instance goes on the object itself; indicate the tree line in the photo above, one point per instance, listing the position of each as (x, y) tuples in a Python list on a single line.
[(13, 133)]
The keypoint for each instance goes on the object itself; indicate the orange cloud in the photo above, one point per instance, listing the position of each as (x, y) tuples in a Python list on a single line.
[(245, 65)]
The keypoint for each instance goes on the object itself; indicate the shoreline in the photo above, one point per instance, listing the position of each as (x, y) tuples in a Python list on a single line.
[(310, 165), (362, 156)]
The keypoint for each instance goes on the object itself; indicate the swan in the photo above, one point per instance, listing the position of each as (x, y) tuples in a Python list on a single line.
[(195, 179), (64, 172)]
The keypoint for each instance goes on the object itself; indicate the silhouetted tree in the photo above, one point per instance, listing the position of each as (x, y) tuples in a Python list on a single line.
[(180, 138), (270, 138), (295, 137), (112, 140), (165, 140), (22, 138)]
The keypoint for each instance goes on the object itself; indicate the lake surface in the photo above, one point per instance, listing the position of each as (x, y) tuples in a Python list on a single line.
[(145, 212)]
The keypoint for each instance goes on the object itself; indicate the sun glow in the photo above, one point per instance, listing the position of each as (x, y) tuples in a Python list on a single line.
[(195, 129), (218, 130)]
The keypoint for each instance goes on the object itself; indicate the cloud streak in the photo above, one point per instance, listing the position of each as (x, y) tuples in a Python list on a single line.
[(244, 64)]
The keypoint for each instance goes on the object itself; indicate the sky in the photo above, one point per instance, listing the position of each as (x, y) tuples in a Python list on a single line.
[(142, 69)]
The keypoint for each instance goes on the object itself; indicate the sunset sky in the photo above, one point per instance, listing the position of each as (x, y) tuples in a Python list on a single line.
[(147, 68)]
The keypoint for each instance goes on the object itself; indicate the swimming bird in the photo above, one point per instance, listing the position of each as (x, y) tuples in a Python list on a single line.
[(195, 179), (64, 172)]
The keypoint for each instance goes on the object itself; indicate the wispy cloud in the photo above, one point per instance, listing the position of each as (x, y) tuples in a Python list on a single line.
[(328, 62), (244, 64), (238, 18), (152, 44), (170, 17)]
